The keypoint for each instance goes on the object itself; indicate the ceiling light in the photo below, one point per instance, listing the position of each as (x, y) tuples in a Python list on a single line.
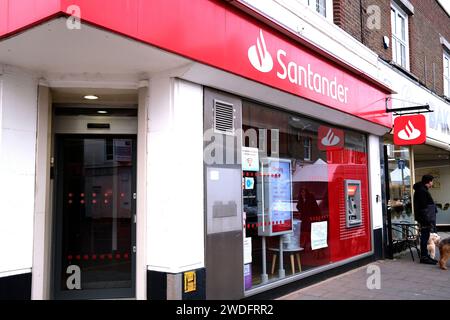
[(102, 111), (91, 97)]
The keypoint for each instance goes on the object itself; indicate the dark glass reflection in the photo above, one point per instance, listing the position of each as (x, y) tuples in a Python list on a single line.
[(97, 211)]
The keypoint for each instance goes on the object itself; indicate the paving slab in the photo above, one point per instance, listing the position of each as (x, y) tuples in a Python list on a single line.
[(401, 279)]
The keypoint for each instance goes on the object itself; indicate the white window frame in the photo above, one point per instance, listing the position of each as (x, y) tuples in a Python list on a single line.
[(446, 84), (395, 39), (312, 4), (307, 148)]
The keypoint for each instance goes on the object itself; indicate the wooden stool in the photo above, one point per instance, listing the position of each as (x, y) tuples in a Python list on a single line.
[(293, 253)]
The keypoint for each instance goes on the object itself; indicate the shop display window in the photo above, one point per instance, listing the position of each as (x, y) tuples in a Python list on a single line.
[(399, 168), (305, 194)]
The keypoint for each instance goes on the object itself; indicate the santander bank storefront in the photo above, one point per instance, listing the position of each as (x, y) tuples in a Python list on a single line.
[(184, 150)]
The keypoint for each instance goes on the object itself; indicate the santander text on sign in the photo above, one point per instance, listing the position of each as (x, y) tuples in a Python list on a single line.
[(313, 81)]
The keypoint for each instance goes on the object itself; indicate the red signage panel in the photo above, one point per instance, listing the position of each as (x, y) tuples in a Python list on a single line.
[(217, 34), (18, 14), (410, 130)]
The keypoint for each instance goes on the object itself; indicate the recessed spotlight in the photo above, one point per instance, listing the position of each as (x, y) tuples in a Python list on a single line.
[(91, 97), (102, 111)]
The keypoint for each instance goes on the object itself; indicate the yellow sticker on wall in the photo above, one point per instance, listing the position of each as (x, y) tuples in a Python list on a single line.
[(190, 281)]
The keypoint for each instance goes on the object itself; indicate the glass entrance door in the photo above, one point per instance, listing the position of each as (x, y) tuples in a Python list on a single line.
[(95, 216)]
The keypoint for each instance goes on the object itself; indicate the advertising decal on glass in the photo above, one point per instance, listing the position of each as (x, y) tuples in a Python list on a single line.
[(250, 159), (275, 189), (330, 138)]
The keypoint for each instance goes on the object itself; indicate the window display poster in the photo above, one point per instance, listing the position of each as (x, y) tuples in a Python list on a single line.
[(122, 149), (319, 235), (247, 250), (248, 276), (249, 183), (280, 195), (250, 159)]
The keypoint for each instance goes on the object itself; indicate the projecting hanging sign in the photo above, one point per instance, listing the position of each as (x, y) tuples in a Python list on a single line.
[(410, 130)]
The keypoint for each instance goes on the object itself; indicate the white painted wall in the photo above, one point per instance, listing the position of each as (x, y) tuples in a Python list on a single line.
[(141, 204), (18, 115), (375, 182), (42, 241), (175, 227)]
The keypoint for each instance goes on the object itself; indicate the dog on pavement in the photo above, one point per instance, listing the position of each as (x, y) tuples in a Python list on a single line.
[(433, 241), (444, 250)]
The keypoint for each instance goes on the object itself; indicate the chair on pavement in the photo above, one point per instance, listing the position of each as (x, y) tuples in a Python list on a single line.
[(410, 236)]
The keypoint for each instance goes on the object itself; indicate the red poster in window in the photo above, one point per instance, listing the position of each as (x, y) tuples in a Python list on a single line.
[(330, 138), (410, 130)]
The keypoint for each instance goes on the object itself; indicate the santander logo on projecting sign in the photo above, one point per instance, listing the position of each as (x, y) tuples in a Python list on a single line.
[(409, 130), (293, 71)]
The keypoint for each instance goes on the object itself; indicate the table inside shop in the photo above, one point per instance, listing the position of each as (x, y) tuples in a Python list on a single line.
[(293, 253)]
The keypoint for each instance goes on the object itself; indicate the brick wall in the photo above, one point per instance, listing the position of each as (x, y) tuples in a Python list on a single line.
[(373, 34), (429, 20), (347, 15)]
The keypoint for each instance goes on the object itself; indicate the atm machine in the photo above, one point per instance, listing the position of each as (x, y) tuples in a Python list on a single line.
[(353, 203)]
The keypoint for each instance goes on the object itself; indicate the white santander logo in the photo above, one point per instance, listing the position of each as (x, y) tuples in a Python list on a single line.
[(258, 55), (331, 139), (294, 72), (409, 132)]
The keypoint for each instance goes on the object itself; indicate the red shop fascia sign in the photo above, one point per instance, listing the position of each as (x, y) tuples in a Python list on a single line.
[(220, 35)]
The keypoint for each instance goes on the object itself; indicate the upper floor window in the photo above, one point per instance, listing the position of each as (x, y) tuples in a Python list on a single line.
[(319, 6), (400, 42), (446, 74), (322, 7)]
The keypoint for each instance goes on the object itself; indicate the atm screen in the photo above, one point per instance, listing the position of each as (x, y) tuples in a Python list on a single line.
[(351, 190)]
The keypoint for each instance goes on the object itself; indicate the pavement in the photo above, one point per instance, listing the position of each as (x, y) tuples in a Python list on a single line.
[(399, 279)]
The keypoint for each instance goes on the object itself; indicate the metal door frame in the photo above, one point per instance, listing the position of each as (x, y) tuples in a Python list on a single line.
[(56, 267)]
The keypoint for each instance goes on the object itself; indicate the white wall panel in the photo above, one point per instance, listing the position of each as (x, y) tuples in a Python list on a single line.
[(175, 227), (375, 182), (18, 109)]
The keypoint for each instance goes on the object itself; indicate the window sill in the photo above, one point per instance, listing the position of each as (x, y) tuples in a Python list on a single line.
[(403, 70)]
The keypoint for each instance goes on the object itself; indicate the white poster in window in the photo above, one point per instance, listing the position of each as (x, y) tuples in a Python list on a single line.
[(250, 159), (122, 150), (247, 250), (319, 235)]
